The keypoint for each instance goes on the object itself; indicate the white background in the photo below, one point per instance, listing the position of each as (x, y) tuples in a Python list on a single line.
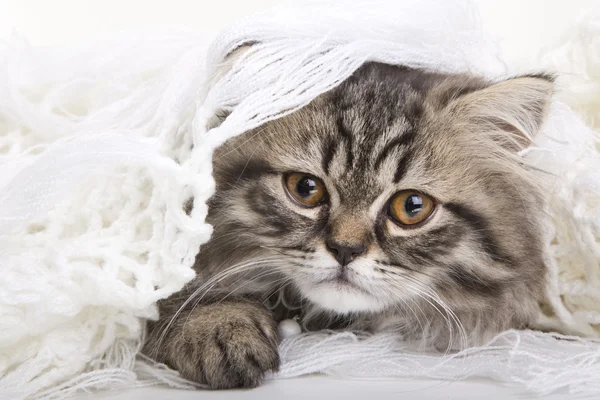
[(521, 25), (518, 22)]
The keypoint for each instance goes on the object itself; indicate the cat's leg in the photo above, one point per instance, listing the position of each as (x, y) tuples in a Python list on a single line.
[(227, 344)]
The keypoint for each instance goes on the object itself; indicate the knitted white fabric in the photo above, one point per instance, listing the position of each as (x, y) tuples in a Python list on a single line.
[(100, 149)]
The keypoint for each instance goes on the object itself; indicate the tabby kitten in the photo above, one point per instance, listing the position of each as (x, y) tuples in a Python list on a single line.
[(395, 201)]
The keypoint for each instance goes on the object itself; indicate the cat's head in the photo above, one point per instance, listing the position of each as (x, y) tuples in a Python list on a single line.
[(398, 185)]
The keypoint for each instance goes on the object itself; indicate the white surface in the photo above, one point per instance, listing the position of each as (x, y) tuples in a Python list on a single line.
[(330, 388), (73, 22)]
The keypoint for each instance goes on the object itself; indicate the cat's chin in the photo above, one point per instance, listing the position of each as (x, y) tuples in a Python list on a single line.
[(342, 299)]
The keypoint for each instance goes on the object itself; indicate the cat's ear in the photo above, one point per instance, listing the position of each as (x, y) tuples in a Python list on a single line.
[(512, 111)]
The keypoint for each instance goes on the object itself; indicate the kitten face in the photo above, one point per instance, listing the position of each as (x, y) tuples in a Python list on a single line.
[(332, 193)]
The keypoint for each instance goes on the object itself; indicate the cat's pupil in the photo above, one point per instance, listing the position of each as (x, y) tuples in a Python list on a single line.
[(413, 205), (306, 187)]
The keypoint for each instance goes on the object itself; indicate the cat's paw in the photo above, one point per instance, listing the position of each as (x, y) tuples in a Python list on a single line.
[(237, 344)]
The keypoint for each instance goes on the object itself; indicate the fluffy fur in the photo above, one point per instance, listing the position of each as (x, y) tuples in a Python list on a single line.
[(473, 269)]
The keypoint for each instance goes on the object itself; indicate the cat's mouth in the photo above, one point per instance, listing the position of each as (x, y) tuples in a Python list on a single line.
[(341, 293), (342, 281)]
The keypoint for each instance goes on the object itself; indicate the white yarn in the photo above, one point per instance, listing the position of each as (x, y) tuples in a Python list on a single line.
[(101, 149), (541, 363), (570, 149)]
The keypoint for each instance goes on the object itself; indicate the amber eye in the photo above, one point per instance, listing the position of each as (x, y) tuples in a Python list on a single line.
[(410, 207), (306, 190)]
